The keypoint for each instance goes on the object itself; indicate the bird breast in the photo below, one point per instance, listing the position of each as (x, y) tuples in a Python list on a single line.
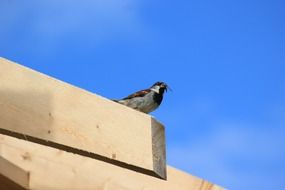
[(144, 104)]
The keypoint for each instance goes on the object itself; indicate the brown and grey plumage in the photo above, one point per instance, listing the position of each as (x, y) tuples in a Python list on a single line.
[(146, 100)]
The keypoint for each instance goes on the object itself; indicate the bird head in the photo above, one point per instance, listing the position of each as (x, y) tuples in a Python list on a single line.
[(160, 87)]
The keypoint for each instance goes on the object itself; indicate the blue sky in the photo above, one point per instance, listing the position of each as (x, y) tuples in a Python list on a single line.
[(223, 59)]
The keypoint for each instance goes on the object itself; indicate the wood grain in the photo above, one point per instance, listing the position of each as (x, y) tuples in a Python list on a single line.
[(41, 109), (51, 168)]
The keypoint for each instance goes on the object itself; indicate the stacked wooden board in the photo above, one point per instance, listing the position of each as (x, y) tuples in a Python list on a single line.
[(57, 136)]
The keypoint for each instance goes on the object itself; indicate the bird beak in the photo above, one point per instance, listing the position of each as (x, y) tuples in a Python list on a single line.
[(167, 87)]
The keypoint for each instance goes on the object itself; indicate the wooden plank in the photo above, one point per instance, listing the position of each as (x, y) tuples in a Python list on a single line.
[(6, 183), (51, 168), (57, 114), (13, 173)]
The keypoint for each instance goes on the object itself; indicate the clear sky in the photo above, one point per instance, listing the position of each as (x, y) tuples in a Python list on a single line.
[(224, 60)]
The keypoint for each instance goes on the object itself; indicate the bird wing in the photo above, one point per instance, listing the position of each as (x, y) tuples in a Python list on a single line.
[(141, 93)]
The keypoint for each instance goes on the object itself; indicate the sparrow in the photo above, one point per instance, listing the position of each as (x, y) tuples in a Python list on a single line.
[(146, 100)]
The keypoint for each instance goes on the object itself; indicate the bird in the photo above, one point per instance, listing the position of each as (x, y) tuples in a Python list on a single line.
[(146, 100)]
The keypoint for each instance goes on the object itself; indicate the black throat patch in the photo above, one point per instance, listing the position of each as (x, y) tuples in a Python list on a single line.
[(158, 96)]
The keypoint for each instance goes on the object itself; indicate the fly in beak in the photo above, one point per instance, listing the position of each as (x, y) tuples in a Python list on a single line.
[(164, 85)]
